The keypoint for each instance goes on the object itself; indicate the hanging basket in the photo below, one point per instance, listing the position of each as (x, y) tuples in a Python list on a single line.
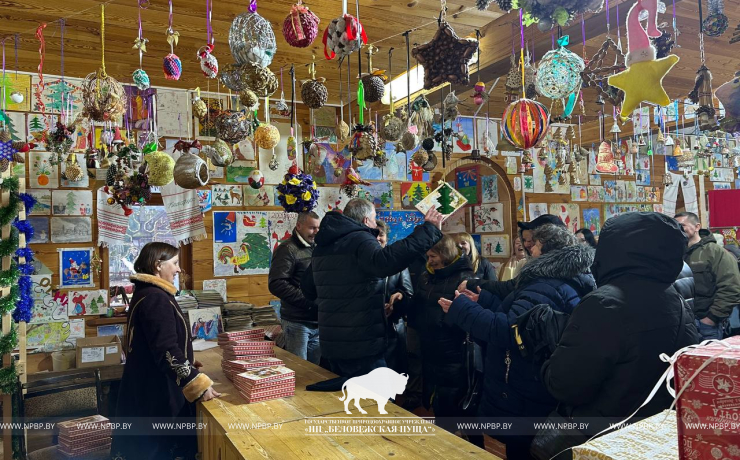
[(252, 40), (160, 167), (301, 27), (103, 97), (191, 171)]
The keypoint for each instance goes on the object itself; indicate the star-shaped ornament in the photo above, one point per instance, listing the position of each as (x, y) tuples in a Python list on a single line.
[(643, 81), (445, 58)]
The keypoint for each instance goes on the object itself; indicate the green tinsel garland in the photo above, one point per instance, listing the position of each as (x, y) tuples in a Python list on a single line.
[(10, 276), (8, 246), (9, 341), (8, 379), (10, 212), (7, 304)]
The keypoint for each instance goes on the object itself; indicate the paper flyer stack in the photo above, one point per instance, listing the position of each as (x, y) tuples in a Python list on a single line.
[(84, 436), (237, 315), (265, 383)]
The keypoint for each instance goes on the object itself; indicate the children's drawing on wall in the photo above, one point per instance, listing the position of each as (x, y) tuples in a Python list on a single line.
[(205, 323), (74, 267)]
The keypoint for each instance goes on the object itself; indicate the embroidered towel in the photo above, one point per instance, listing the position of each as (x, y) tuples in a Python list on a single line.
[(183, 212), (112, 222)]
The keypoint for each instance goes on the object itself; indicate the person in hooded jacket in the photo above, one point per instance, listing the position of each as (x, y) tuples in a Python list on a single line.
[(443, 345), (607, 361), (346, 279), (558, 276), (398, 293)]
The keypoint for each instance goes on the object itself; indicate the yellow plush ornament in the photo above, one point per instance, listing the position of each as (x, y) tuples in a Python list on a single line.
[(160, 165), (642, 80)]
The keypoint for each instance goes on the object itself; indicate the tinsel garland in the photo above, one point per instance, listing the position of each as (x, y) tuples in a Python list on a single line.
[(10, 276), (25, 303), (8, 379), (24, 227), (8, 246), (9, 341), (7, 304)]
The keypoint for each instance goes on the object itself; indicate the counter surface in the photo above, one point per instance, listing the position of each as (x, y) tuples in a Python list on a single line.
[(277, 429)]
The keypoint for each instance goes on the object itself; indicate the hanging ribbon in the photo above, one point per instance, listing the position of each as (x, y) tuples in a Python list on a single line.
[(608, 22), (5, 99), (390, 84), (209, 16), (102, 71), (42, 52), (361, 101), (253, 6), (295, 19), (62, 111), (583, 36), (173, 36), (521, 50)]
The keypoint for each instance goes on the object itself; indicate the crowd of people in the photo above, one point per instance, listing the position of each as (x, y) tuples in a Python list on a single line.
[(570, 328)]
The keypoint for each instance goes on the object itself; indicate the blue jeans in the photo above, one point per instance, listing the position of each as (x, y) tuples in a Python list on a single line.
[(302, 341), (359, 366), (708, 332)]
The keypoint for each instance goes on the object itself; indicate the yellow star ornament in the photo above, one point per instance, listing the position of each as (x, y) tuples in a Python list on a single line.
[(643, 81)]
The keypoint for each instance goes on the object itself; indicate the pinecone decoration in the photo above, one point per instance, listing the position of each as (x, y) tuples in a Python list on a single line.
[(505, 5), (428, 144), (110, 176), (483, 5), (4, 164), (374, 88), (420, 157), (314, 93), (663, 45)]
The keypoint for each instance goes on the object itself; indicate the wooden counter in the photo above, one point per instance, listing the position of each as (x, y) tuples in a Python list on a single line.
[(222, 439)]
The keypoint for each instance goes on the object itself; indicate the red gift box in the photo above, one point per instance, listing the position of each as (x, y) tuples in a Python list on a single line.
[(708, 410)]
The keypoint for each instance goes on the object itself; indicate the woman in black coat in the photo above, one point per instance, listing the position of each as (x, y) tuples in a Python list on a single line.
[(161, 381), (482, 267), (443, 346)]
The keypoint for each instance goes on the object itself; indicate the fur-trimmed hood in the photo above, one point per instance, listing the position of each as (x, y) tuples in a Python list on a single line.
[(565, 263), (166, 286)]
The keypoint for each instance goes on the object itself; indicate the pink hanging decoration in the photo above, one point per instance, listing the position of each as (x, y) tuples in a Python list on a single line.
[(301, 27)]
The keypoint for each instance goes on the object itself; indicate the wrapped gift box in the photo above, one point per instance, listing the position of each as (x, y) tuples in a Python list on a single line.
[(709, 409), (653, 438)]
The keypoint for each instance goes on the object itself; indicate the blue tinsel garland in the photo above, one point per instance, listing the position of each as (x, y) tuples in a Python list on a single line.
[(24, 305)]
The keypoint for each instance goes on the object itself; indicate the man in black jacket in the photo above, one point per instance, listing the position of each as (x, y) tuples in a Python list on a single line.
[(299, 315), (347, 280)]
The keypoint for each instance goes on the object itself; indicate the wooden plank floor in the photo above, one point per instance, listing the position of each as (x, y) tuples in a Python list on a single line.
[(292, 441)]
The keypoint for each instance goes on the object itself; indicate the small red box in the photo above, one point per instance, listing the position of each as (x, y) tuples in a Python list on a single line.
[(708, 411)]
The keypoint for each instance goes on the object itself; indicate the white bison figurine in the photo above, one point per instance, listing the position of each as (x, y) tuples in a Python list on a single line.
[(380, 384)]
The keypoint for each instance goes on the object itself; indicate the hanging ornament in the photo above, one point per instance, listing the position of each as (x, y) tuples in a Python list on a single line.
[(274, 164), (364, 145), (208, 62), (352, 182), (594, 74), (729, 95), (483, 5), (430, 165), (374, 80), (251, 38), (233, 127), (524, 123), (605, 160), (73, 171), (445, 58), (301, 27), (342, 131), (159, 166), (643, 78), (343, 36), (392, 128), (313, 91), (449, 104), (219, 153), (559, 72), (421, 156), (513, 83), (103, 97), (190, 171), (297, 192), (267, 136), (549, 13), (663, 44), (702, 95), (716, 23), (479, 93), (200, 108), (171, 64), (141, 79), (256, 179), (249, 100)]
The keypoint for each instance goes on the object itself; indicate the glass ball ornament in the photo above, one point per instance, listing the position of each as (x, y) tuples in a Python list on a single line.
[(17, 97), (141, 79), (559, 72), (251, 38), (256, 179), (525, 122)]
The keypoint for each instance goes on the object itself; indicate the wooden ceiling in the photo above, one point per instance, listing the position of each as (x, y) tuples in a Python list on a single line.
[(384, 21), (381, 18)]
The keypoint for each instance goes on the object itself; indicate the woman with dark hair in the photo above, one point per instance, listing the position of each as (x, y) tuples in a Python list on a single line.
[(443, 345), (161, 381), (586, 236), (482, 267), (557, 275)]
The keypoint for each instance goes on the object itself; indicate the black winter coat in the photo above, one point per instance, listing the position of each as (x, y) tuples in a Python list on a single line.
[(486, 270), (347, 280), (443, 346), (289, 263), (607, 361), (400, 282), (159, 380), (684, 284), (558, 279)]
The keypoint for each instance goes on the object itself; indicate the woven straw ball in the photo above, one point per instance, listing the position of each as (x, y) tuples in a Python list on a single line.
[(314, 93), (161, 167), (267, 137)]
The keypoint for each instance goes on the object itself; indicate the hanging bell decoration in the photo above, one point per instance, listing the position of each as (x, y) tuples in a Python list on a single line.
[(668, 140), (641, 141), (605, 160), (661, 138), (615, 128)]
